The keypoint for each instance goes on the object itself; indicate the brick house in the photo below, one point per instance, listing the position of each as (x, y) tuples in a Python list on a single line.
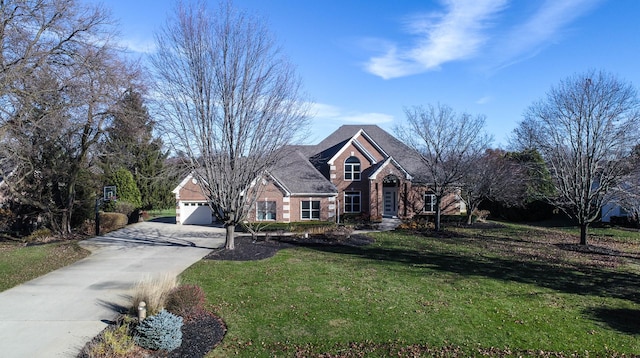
[(357, 170)]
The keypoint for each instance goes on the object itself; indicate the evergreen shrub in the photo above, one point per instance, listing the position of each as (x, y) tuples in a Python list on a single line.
[(126, 188), (162, 331)]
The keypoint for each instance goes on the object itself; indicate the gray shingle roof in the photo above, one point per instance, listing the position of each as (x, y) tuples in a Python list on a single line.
[(403, 154), (299, 176), (300, 169)]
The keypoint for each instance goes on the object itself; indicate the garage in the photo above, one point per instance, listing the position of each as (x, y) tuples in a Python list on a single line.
[(191, 204), (195, 213)]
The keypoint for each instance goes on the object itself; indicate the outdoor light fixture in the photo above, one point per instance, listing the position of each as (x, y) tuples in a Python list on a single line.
[(142, 311)]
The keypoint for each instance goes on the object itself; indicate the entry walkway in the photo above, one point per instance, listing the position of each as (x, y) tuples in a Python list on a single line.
[(56, 314)]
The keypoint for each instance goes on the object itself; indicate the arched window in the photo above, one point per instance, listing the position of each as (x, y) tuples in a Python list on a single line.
[(352, 169)]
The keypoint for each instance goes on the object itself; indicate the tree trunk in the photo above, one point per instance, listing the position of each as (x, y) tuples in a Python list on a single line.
[(583, 234), (472, 208), (230, 243), (437, 221)]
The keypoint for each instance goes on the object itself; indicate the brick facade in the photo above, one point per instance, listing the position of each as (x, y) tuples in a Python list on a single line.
[(376, 184)]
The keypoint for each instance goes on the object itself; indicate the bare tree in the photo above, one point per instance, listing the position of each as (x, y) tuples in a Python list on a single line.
[(495, 177), (585, 130), (60, 75), (626, 194), (447, 144), (39, 33), (230, 100)]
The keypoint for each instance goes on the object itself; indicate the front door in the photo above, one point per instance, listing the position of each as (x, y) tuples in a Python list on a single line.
[(390, 201)]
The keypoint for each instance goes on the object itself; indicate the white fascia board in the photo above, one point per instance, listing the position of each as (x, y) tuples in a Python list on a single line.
[(375, 145), (182, 184), (278, 183), (364, 151), (358, 145), (396, 164)]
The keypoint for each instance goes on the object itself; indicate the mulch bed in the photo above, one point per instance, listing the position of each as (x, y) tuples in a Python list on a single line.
[(199, 337), (247, 249)]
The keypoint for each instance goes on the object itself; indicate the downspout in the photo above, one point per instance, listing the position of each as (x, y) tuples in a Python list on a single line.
[(377, 201), (404, 201)]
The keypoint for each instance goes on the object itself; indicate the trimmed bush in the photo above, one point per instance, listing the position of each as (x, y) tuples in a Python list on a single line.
[(186, 301), (339, 233), (299, 226), (311, 226), (112, 221), (162, 331)]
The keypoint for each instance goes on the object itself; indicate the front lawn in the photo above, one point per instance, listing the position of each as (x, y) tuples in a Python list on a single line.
[(19, 263), (511, 290)]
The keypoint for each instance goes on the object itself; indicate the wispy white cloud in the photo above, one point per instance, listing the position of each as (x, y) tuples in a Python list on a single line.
[(544, 27), (322, 111), (138, 46), (456, 34), (484, 100)]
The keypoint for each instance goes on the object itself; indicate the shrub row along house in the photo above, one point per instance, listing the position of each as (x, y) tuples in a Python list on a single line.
[(356, 171)]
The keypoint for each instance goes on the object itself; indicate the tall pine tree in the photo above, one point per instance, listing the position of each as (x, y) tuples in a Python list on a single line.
[(130, 144)]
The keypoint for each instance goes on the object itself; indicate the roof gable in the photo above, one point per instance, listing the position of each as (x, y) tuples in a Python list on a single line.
[(182, 184), (356, 143), (386, 163), (386, 144)]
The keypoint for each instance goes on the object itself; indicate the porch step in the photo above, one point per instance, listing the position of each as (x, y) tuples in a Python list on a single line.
[(389, 224)]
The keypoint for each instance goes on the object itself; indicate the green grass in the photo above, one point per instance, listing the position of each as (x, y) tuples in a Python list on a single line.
[(161, 213), (20, 263), (495, 291), (620, 234)]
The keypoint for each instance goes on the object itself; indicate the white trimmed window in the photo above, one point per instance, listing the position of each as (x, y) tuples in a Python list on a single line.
[(266, 210), (429, 202), (352, 202), (310, 210), (352, 169)]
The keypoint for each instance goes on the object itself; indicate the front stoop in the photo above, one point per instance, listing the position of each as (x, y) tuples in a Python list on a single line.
[(389, 224)]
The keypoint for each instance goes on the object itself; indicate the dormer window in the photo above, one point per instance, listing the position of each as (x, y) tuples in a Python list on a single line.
[(352, 169)]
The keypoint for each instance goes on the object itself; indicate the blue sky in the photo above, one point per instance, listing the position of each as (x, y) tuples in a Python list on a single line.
[(365, 61)]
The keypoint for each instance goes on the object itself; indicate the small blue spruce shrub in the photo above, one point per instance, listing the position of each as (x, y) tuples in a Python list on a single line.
[(162, 331)]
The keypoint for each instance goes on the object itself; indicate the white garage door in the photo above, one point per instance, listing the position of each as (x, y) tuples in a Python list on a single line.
[(195, 213)]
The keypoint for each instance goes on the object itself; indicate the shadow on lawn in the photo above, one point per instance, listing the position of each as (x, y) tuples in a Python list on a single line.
[(621, 319), (574, 279)]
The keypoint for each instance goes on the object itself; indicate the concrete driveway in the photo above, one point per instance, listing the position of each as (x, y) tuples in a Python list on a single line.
[(56, 314)]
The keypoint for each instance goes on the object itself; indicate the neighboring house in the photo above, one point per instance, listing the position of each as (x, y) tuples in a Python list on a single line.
[(612, 210), (357, 170)]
